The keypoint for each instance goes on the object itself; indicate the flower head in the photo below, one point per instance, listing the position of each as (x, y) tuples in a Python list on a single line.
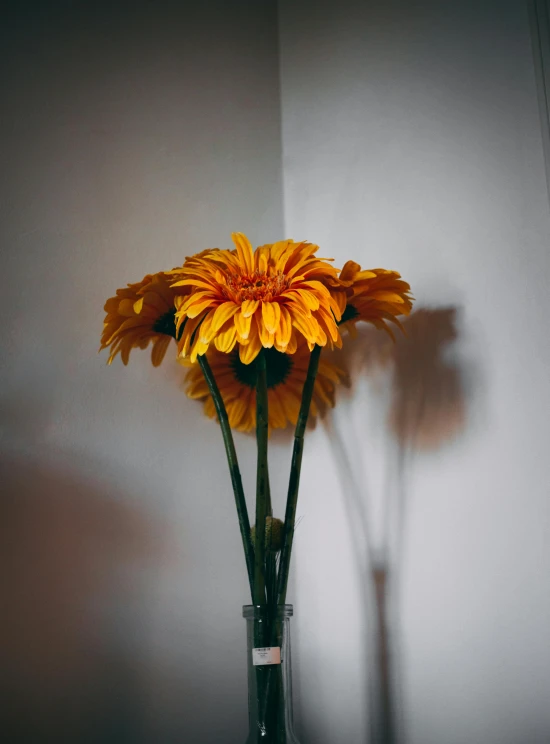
[(139, 314), (271, 297), (375, 295), (286, 375)]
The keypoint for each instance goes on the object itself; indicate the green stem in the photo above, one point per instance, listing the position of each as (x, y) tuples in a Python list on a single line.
[(234, 470), (290, 513), (261, 632), (262, 481), (294, 482)]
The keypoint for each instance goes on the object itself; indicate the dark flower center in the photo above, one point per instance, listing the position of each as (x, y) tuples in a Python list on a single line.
[(349, 314), (278, 368), (166, 324)]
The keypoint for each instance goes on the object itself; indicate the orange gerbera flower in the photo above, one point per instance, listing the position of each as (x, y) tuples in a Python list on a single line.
[(286, 375), (139, 314), (270, 298), (375, 295)]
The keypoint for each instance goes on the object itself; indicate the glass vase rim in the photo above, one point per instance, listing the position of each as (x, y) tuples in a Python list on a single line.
[(254, 612)]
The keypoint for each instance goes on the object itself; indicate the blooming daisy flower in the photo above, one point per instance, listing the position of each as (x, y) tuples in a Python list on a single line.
[(286, 375), (270, 297), (375, 296), (140, 314)]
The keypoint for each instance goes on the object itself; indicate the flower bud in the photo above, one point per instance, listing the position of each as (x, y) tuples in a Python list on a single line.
[(273, 534)]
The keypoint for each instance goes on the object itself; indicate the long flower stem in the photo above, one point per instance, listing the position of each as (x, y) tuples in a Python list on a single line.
[(263, 498), (294, 482), (234, 469), (262, 481), (273, 676)]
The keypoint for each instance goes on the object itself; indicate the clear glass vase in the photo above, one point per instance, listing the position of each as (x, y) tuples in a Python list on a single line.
[(269, 685)]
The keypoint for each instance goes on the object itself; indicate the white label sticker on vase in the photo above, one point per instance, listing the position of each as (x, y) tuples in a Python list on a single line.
[(268, 655)]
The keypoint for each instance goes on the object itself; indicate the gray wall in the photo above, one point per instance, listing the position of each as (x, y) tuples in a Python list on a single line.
[(133, 135)]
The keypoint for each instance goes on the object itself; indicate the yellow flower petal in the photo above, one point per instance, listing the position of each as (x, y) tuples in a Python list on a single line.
[(226, 339), (242, 325), (198, 307), (248, 353), (223, 313), (284, 329), (271, 314), (205, 331), (126, 308), (160, 347), (388, 297), (244, 251), (267, 339), (349, 271), (248, 307), (308, 327), (198, 349), (292, 345)]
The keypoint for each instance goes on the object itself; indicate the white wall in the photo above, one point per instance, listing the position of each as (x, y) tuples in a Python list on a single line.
[(133, 134), (411, 140)]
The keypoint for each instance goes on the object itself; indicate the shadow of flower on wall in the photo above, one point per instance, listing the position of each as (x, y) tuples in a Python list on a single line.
[(422, 383), (74, 556), (428, 406)]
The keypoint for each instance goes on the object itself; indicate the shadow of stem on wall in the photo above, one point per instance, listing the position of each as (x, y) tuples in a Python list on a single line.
[(426, 411)]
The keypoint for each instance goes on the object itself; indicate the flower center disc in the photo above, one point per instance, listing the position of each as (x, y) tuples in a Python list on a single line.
[(278, 368), (349, 314), (166, 324), (256, 286)]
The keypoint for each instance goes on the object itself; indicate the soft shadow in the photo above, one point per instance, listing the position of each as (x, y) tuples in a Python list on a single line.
[(71, 552), (427, 409)]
